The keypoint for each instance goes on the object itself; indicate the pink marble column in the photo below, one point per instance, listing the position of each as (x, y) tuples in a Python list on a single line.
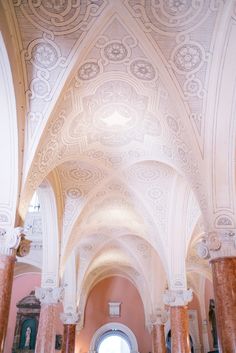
[(179, 330), (6, 278), (158, 339), (49, 297), (177, 300), (224, 283), (69, 320), (68, 343)]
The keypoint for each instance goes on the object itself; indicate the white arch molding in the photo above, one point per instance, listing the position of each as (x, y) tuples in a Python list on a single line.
[(114, 326), (8, 142)]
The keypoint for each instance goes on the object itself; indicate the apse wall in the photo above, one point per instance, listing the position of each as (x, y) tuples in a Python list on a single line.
[(114, 289), (22, 286)]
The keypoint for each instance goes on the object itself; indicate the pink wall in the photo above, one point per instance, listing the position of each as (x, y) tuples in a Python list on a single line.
[(96, 313), (22, 286)]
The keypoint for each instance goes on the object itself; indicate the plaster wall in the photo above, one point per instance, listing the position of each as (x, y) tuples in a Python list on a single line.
[(115, 289), (22, 286)]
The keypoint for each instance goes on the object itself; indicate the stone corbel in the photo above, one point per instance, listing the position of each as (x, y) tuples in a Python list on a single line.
[(49, 296), (177, 297)]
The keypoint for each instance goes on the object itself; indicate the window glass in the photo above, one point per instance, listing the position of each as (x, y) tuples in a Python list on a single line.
[(114, 344)]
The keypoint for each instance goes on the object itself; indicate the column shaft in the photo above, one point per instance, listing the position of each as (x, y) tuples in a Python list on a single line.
[(6, 278), (179, 330), (68, 343), (224, 283), (45, 342), (158, 339)]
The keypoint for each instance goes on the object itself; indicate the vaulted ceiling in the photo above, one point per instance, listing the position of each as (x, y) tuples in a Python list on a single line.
[(126, 116)]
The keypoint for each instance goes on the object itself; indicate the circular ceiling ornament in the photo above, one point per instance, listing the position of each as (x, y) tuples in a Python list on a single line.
[(115, 52), (44, 55), (82, 175), (88, 71), (39, 87), (143, 70), (74, 193), (188, 57)]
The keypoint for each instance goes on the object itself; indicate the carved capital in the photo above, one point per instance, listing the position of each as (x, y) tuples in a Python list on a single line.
[(220, 243), (177, 297), (70, 318), (9, 240), (159, 317), (49, 296)]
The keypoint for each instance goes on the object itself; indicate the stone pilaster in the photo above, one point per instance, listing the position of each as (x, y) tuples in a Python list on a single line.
[(178, 300), (69, 320), (49, 298)]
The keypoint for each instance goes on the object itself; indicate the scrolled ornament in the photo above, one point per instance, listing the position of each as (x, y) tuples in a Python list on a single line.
[(214, 242), (202, 250)]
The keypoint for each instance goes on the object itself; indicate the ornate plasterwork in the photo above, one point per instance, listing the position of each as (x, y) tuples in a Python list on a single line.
[(45, 28), (153, 180), (182, 25), (123, 104), (77, 180)]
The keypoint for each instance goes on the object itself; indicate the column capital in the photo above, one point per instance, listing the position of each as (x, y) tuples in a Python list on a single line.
[(217, 244), (159, 317), (49, 295), (70, 317), (9, 240), (177, 297)]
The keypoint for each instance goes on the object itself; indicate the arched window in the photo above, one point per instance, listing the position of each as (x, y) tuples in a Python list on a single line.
[(114, 338), (113, 341)]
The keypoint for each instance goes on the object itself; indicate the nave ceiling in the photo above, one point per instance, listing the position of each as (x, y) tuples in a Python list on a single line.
[(123, 119)]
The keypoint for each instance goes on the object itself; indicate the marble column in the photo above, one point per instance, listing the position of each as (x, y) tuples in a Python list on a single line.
[(49, 298), (69, 320), (178, 300), (224, 283), (220, 247), (9, 242), (158, 321), (6, 278)]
